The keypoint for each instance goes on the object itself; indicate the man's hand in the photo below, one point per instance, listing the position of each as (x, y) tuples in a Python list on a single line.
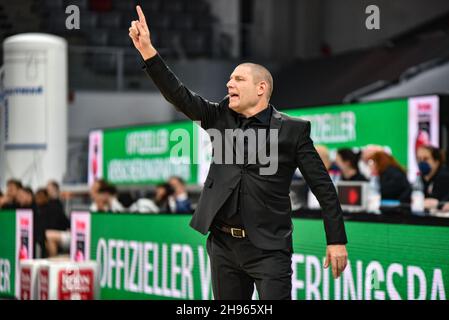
[(445, 207), (140, 34), (430, 203), (4, 200), (337, 256)]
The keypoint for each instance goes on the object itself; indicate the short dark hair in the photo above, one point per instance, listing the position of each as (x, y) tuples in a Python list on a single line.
[(54, 184), (42, 190), (180, 180), (15, 182), (28, 190), (168, 188), (350, 156), (107, 188), (101, 183)]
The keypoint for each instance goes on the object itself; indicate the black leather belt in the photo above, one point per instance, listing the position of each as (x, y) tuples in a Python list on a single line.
[(235, 232)]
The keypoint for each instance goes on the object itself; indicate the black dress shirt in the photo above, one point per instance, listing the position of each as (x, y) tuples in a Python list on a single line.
[(228, 214)]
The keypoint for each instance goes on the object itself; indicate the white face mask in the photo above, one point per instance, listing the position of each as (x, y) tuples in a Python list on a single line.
[(364, 169)]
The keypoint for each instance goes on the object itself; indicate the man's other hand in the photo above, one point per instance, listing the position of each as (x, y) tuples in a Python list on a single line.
[(337, 257)]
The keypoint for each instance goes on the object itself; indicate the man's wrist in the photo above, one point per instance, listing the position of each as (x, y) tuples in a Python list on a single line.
[(333, 243), (148, 53)]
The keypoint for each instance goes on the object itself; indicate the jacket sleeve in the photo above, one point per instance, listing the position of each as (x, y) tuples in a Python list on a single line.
[(175, 92), (317, 178)]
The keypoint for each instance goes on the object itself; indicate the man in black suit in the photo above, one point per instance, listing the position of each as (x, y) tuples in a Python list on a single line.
[(245, 204)]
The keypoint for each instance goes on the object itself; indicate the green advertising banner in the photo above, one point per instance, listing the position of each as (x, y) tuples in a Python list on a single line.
[(161, 257), (16, 234), (357, 125), (7, 252), (150, 154), (145, 154)]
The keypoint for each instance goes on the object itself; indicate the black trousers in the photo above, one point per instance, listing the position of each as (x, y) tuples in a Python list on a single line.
[(236, 265)]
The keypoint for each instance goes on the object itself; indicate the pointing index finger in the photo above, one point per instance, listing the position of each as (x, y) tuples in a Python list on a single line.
[(141, 15)]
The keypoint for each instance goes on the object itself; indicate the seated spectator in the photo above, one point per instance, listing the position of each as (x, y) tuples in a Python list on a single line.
[(54, 194), (126, 199), (394, 184), (434, 176), (348, 161), (331, 167), (25, 200), (159, 204), (367, 152), (105, 198), (116, 206), (163, 192), (96, 185), (9, 200), (179, 201), (94, 190), (54, 223), (144, 205), (101, 199), (51, 212)]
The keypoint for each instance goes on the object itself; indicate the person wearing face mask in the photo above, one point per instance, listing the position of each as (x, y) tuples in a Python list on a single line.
[(434, 175), (347, 161)]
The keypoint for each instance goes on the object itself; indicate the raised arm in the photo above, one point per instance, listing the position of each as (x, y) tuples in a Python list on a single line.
[(192, 105)]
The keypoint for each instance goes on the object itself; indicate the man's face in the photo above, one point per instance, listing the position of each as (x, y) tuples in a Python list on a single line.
[(52, 191), (94, 189), (41, 199), (11, 190), (102, 199), (25, 199), (176, 185), (243, 92), (160, 193)]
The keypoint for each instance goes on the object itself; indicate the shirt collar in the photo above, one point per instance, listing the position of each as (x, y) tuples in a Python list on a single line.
[(262, 116)]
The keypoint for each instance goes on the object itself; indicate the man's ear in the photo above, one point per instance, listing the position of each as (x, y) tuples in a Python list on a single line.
[(262, 88)]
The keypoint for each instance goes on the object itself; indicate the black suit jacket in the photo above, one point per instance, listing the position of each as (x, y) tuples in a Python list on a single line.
[(267, 212)]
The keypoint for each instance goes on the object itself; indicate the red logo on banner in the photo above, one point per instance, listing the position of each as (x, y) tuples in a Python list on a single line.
[(43, 284), (424, 106), (24, 222), (76, 284), (25, 284), (80, 225)]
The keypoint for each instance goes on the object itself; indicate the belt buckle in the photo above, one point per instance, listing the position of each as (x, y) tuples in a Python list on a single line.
[(242, 233)]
